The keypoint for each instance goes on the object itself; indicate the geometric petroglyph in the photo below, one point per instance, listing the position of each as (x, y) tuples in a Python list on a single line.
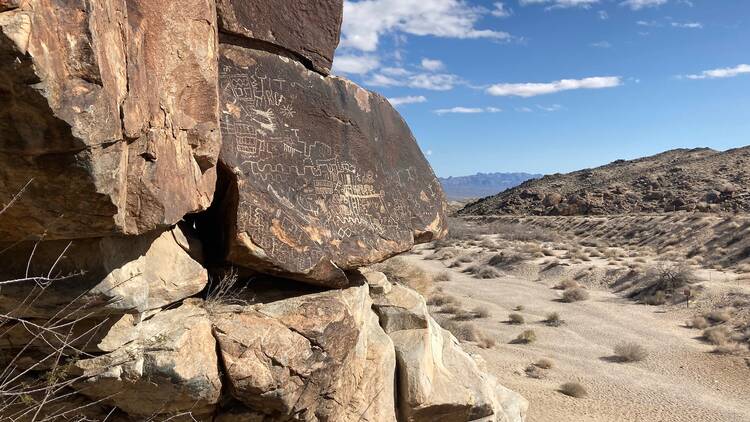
[(314, 186)]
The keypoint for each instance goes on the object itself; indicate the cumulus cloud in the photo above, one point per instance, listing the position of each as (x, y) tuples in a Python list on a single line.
[(467, 110), (601, 44), (365, 21), (432, 65), (642, 4), (726, 72), (561, 4), (603, 15), (533, 89), (404, 78), (355, 64), (397, 101)]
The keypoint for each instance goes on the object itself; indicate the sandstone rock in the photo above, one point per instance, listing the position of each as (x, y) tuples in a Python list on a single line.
[(326, 176), (170, 367), (315, 357), (120, 275), (109, 117), (437, 380), (307, 29)]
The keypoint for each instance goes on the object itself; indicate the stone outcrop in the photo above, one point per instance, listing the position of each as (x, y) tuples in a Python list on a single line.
[(110, 115), (110, 275), (437, 380), (146, 148), (169, 366), (314, 357), (326, 176), (306, 30)]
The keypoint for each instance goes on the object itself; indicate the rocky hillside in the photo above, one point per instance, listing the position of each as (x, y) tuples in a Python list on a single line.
[(189, 204), (482, 184), (680, 180)]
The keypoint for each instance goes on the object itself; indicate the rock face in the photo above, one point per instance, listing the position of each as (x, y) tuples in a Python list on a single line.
[(437, 380), (111, 275), (109, 116), (326, 176), (315, 357), (308, 30), (169, 367)]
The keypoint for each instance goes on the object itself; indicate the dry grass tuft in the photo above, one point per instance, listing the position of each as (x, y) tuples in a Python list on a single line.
[(441, 299), (717, 335), (481, 312), (719, 316), (526, 337), (573, 389), (398, 270), (630, 352), (698, 322), (533, 371), (577, 294), (545, 363), (443, 276), (515, 318), (567, 284), (553, 319)]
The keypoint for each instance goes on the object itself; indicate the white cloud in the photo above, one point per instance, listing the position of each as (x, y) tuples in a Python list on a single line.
[(688, 25), (648, 23), (601, 44), (467, 110), (366, 20), (501, 11), (603, 15), (561, 4), (550, 109), (642, 4), (355, 64), (395, 71), (726, 72), (397, 101), (428, 152), (432, 65), (533, 89), (430, 81), (524, 110)]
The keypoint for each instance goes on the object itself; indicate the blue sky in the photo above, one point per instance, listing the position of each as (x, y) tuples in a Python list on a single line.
[(554, 85)]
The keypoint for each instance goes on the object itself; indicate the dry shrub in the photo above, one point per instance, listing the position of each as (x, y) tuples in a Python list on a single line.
[(533, 371), (730, 348), (573, 389), (698, 322), (630, 352), (481, 312), (567, 284), (441, 299), (467, 332), (544, 363), (487, 342), (526, 337), (516, 318), (719, 316), (398, 270), (666, 278), (451, 308), (466, 259), (443, 276), (717, 335), (553, 319), (575, 295), (482, 272), (519, 308), (505, 260)]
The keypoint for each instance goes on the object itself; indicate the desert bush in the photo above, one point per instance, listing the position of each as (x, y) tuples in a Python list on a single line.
[(443, 276), (698, 322), (526, 337), (657, 299), (544, 363), (533, 371), (505, 260), (481, 312), (483, 272), (553, 319), (573, 389), (665, 278), (451, 308), (575, 295), (717, 335), (441, 299), (519, 308), (516, 318), (567, 284), (398, 270), (630, 352), (730, 348), (719, 316), (486, 342)]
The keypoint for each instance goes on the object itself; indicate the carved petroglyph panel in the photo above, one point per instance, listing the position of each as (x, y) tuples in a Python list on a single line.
[(320, 178)]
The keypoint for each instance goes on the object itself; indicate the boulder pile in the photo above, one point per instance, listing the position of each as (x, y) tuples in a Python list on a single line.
[(188, 204)]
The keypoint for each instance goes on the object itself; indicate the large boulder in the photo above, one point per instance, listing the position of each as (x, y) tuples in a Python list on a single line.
[(109, 123), (437, 380), (324, 176), (170, 366), (307, 30), (109, 275), (319, 357)]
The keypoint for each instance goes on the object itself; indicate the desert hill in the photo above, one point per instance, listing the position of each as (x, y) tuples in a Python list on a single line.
[(482, 184), (679, 180)]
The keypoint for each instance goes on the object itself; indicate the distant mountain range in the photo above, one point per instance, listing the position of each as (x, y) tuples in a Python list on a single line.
[(482, 184), (679, 180)]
